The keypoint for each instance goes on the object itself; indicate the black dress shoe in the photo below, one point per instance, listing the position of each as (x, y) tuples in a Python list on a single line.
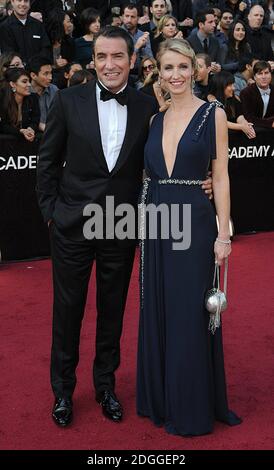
[(111, 406), (62, 411)]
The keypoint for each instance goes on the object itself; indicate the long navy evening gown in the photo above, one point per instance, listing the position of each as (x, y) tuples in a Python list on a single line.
[(180, 375)]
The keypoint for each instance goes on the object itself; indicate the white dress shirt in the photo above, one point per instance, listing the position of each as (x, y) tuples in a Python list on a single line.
[(113, 122), (265, 95)]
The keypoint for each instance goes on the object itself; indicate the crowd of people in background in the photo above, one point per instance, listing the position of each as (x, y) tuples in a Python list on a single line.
[(48, 45)]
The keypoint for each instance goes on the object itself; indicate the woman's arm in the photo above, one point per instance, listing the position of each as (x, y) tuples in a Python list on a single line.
[(221, 190), (242, 125)]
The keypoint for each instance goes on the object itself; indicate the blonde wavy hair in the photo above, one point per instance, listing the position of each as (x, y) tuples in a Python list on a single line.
[(181, 46), (162, 23)]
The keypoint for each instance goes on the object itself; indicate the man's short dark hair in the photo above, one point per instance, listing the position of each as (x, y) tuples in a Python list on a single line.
[(260, 66), (245, 60), (36, 63), (131, 6), (227, 10), (152, 1), (114, 32), (201, 15), (79, 76), (206, 58)]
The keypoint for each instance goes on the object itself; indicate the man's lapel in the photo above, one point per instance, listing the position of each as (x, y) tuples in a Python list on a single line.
[(88, 113), (270, 107), (259, 100)]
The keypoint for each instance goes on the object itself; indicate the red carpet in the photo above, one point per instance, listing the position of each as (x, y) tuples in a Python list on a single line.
[(26, 399)]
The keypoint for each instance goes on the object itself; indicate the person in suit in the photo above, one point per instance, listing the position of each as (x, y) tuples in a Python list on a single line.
[(203, 41), (258, 38), (258, 99), (92, 128), (23, 34)]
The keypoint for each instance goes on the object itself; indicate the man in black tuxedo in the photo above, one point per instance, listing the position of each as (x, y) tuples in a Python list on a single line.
[(99, 130)]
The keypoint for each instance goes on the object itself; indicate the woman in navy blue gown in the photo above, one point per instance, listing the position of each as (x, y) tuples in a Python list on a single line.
[(181, 378)]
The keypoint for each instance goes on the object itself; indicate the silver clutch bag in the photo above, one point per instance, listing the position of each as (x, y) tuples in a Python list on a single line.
[(216, 299)]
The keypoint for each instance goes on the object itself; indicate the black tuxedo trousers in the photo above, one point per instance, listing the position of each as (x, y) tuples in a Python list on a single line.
[(72, 263)]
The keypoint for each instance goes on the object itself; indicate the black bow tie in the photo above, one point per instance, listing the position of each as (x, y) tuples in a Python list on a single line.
[(106, 95)]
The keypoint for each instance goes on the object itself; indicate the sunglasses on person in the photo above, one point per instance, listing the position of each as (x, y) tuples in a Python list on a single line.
[(148, 67)]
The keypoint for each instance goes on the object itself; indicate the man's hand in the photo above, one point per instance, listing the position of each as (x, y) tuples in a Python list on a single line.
[(207, 186), (49, 222), (187, 22), (215, 68), (144, 19), (242, 6), (179, 35), (37, 15), (28, 133), (271, 63), (90, 65), (141, 41)]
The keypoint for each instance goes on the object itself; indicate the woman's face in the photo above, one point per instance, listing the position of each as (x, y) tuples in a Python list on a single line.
[(229, 90), (239, 32), (16, 62), (95, 26), (170, 29), (148, 67), (176, 72), (68, 25), (22, 86)]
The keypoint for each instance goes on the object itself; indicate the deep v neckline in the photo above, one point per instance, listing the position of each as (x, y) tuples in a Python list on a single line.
[(179, 141)]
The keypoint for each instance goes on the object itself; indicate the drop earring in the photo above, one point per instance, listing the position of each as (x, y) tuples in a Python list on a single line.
[(159, 86)]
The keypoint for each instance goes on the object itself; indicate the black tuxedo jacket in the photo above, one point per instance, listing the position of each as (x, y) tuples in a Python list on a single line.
[(72, 135), (253, 106)]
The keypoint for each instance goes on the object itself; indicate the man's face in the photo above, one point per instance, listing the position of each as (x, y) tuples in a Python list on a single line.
[(130, 19), (263, 78), (116, 21), (217, 15), (255, 17), (209, 25), (203, 70), (226, 20), (112, 62), (21, 7), (44, 76), (158, 9)]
